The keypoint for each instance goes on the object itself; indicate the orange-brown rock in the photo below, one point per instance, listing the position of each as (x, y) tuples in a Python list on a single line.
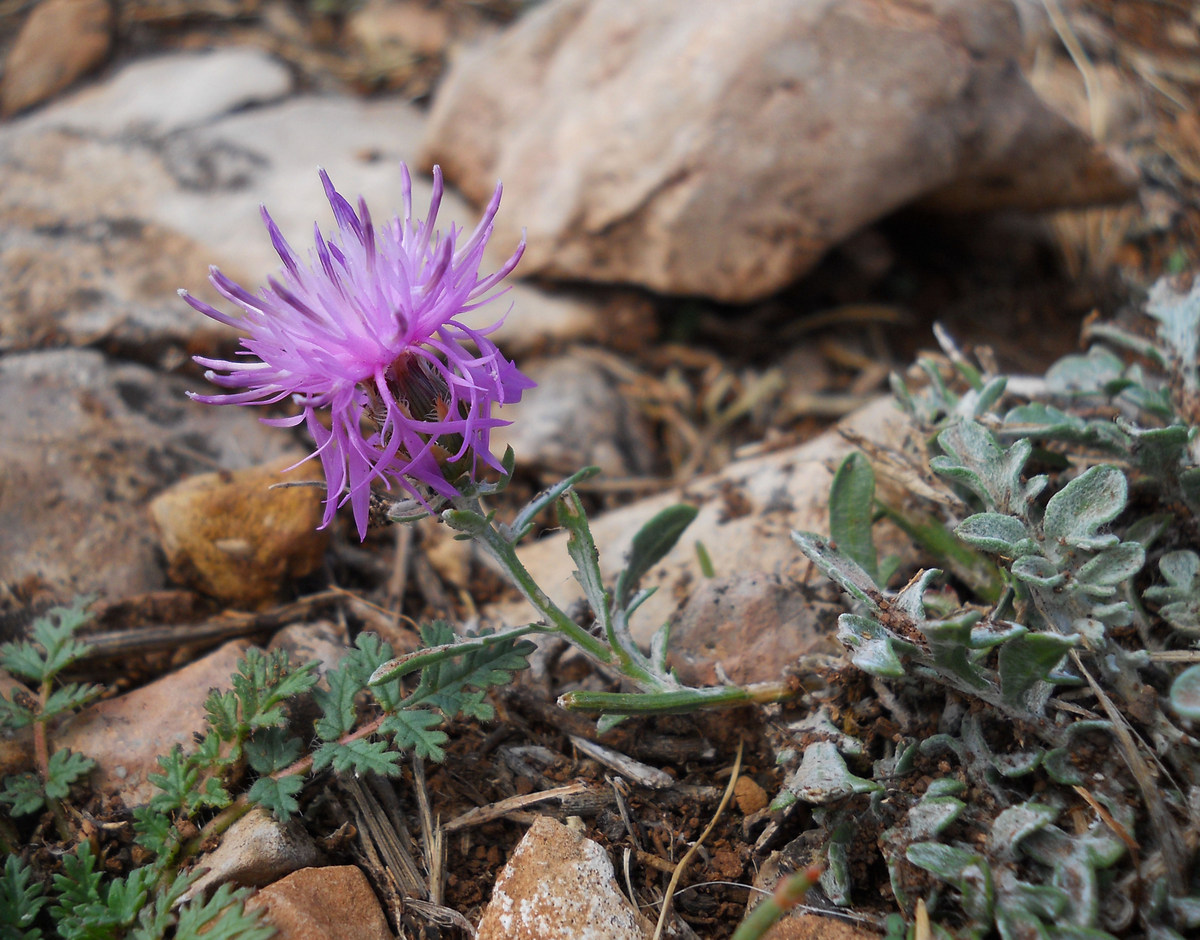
[(232, 536), (60, 41), (320, 903), (125, 735)]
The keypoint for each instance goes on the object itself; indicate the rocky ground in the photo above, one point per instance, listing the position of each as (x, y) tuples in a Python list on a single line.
[(693, 333)]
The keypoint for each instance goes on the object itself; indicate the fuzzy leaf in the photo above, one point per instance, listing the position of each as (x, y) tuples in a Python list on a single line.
[(1100, 575), (976, 461), (1180, 596), (1034, 569), (1014, 824), (842, 570), (1025, 664), (1078, 510), (871, 645), (946, 861), (1089, 374), (950, 643), (997, 533), (823, 776), (1185, 693), (1178, 316), (933, 815)]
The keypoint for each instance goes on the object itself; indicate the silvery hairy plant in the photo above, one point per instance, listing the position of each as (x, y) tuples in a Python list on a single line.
[(1071, 670)]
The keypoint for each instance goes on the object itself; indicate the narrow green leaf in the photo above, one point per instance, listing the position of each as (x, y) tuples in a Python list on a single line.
[(843, 571), (521, 526), (582, 549), (650, 546), (851, 510)]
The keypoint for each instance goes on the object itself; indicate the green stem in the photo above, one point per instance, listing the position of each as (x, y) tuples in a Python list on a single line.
[(503, 551), (676, 700), (41, 757)]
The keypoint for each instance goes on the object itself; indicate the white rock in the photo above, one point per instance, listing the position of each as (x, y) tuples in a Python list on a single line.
[(167, 93), (559, 885)]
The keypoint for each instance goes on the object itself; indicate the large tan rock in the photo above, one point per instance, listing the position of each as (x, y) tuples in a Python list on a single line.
[(715, 148)]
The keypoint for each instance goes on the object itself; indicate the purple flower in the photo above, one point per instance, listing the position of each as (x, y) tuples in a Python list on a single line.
[(368, 328)]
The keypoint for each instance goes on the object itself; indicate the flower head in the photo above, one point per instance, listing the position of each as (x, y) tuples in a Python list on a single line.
[(368, 327)]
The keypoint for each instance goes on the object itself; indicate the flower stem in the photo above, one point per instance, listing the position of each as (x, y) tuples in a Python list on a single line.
[(505, 553)]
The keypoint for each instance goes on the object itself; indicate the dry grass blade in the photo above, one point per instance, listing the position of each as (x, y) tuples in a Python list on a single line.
[(687, 858), (431, 835), (641, 774), (482, 814), (228, 626), (1169, 842)]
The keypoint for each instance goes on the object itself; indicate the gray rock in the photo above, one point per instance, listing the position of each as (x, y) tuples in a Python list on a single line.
[(84, 444), (255, 850), (721, 148), (575, 417), (111, 200)]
